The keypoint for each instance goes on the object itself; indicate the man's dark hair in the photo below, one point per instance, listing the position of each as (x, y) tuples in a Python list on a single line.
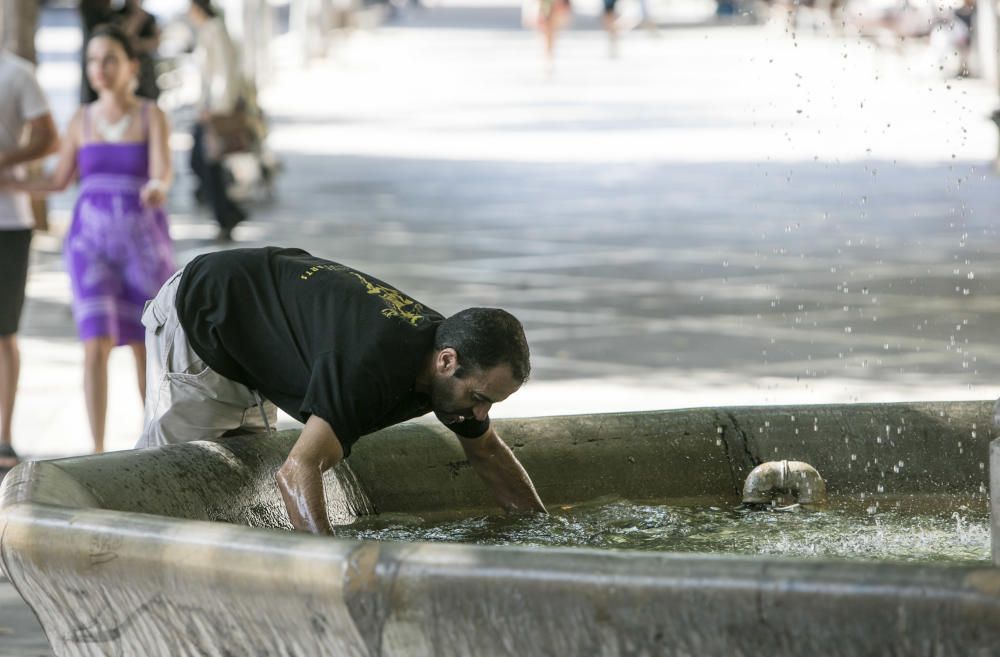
[(485, 338)]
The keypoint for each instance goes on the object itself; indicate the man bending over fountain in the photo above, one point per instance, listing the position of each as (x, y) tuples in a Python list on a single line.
[(237, 333)]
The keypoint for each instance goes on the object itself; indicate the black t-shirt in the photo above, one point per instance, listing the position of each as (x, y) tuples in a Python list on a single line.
[(312, 336)]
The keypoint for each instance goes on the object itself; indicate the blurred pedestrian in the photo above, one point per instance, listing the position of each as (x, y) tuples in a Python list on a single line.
[(966, 16), (18, 24), (118, 250), (27, 132), (219, 103), (549, 16), (609, 19), (141, 28), (92, 14), (646, 18)]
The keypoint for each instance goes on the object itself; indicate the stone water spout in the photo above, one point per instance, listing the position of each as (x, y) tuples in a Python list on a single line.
[(784, 482)]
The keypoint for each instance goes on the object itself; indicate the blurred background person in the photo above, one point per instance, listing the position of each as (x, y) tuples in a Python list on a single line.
[(609, 19), (141, 28), (646, 18), (19, 21), (92, 14), (548, 16), (118, 250), (18, 24), (221, 88), (965, 15), (27, 132)]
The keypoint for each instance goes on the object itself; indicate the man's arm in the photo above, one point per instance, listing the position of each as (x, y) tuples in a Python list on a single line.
[(65, 168), (43, 139), (300, 478), (503, 474)]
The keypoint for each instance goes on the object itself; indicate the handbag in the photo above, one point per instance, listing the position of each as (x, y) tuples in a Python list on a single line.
[(233, 132)]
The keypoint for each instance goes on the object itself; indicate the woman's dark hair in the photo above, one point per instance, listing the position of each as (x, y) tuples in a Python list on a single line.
[(115, 34), (206, 7), (485, 338)]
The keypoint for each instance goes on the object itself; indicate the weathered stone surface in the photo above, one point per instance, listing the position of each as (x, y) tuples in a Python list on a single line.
[(703, 452), (173, 551)]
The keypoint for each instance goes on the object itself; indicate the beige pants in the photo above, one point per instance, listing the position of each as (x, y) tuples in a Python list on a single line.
[(185, 398)]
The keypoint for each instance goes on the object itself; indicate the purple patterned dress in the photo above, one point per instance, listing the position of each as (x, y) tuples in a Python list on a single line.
[(118, 252)]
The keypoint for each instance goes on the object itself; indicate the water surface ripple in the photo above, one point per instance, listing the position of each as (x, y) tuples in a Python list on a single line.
[(955, 533)]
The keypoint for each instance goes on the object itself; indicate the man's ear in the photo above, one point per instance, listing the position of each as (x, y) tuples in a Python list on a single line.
[(447, 361)]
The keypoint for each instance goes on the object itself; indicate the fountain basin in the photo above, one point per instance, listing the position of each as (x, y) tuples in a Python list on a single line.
[(180, 550)]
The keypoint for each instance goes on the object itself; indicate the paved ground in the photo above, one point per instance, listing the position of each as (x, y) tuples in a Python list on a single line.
[(720, 215)]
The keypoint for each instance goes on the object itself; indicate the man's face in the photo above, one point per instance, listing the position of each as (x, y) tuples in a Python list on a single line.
[(456, 398)]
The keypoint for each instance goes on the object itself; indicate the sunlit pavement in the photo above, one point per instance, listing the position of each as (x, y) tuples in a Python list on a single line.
[(721, 215)]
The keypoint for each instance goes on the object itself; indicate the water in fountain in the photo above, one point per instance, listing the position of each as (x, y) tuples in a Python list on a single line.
[(346, 498), (915, 529)]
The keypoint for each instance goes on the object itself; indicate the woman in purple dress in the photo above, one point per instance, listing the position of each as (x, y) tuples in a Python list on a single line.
[(118, 250)]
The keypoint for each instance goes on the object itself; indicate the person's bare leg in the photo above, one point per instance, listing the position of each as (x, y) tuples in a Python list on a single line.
[(139, 352), (95, 386), (10, 368), (610, 22), (549, 31)]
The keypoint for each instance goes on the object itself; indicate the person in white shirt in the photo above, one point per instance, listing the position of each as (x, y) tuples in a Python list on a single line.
[(27, 132), (221, 93)]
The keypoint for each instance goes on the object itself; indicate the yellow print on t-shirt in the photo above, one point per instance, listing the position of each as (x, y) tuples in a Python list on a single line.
[(397, 305)]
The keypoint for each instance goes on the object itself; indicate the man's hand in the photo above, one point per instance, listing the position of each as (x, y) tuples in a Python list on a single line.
[(497, 466), (300, 479)]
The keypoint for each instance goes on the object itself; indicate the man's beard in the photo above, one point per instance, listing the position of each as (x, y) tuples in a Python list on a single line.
[(443, 400)]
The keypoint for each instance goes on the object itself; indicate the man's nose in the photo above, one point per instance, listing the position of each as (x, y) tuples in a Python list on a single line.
[(481, 409)]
